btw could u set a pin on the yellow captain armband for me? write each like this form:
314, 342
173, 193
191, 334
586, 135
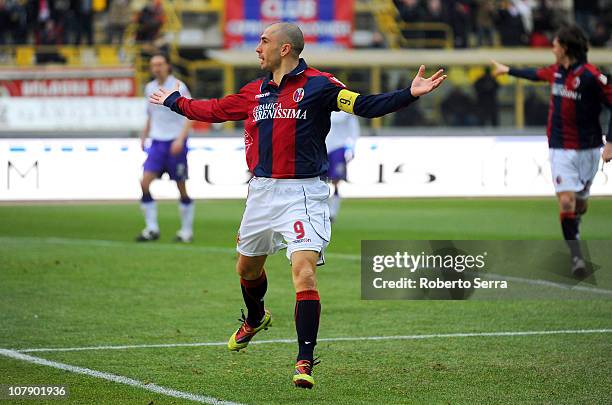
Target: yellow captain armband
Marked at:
346, 100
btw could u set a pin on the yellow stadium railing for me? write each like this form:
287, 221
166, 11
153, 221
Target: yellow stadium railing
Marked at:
199, 6
426, 28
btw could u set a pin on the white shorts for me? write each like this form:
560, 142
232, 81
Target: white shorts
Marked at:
285, 213
574, 170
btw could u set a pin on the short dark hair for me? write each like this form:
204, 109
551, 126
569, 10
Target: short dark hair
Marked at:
292, 35
163, 55
573, 39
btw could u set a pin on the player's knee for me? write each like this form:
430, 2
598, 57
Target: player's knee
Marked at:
567, 203
304, 277
247, 270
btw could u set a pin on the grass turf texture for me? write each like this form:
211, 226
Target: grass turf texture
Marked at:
69, 292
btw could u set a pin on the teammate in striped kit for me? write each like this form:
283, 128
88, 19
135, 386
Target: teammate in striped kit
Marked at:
578, 90
287, 117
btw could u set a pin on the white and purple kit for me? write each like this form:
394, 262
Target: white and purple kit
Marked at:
340, 143
166, 126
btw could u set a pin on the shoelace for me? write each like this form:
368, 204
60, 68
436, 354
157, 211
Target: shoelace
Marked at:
244, 324
309, 365
242, 317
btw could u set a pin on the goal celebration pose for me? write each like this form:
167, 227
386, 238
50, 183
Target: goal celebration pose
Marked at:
578, 90
287, 117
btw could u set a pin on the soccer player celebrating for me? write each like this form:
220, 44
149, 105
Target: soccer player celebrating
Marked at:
167, 153
287, 116
578, 89
340, 143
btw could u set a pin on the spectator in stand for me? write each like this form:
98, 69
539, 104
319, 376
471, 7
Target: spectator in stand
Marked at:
4, 23
378, 40
70, 23
459, 18
543, 17
435, 13
39, 12
410, 11
62, 13
17, 21
410, 117
485, 22
600, 36
150, 20
510, 26
486, 99
543, 27
536, 110
584, 13
84, 13
525, 10
49, 35
119, 16
539, 39
458, 109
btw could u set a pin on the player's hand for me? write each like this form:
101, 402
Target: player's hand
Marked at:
499, 68
161, 95
177, 146
349, 154
606, 155
143, 143
421, 86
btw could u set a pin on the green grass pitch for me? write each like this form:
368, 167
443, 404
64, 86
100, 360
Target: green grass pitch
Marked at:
70, 276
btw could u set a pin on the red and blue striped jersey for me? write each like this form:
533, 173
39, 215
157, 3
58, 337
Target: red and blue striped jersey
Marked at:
577, 94
286, 124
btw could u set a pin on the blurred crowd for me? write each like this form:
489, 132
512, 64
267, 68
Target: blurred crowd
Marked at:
504, 22
472, 22
74, 22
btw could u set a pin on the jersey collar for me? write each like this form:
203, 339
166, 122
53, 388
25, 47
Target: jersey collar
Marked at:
299, 69
574, 67
169, 81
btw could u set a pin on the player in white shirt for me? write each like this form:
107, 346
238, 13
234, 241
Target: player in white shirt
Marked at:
340, 143
166, 154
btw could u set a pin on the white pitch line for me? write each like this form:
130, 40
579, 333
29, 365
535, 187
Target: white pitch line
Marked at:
115, 378
340, 256
131, 245
548, 283
332, 339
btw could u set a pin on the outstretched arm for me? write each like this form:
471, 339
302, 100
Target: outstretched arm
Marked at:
377, 105
229, 108
536, 75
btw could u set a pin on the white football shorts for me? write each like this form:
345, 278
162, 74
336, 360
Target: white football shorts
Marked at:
574, 170
285, 213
